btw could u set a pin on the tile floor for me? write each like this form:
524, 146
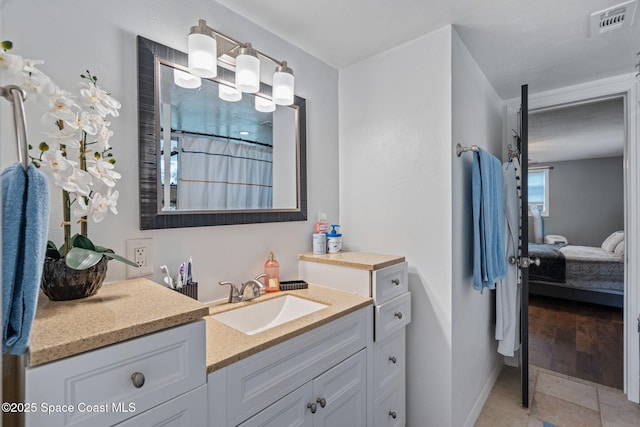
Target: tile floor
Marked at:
557, 399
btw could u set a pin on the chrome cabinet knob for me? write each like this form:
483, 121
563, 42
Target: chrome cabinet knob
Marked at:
393, 359
313, 407
396, 282
137, 378
393, 414
398, 315
322, 401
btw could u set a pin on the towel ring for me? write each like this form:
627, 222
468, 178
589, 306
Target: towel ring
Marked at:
16, 95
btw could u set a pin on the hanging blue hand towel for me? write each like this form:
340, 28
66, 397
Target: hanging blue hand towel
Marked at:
25, 221
489, 264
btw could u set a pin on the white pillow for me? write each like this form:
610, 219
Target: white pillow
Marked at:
612, 241
619, 250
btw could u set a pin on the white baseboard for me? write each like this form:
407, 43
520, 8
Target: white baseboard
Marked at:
484, 395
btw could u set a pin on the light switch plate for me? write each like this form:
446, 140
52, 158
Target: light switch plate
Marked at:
140, 251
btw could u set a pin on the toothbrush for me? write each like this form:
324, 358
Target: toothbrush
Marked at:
189, 277
167, 278
181, 276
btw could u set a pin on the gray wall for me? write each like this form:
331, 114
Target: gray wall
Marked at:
586, 200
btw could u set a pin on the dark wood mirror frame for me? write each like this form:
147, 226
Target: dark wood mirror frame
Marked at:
148, 154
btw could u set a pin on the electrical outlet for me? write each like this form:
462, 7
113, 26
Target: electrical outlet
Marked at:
140, 251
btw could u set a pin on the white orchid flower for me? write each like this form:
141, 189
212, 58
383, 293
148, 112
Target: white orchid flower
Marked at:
57, 167
78, 182
104, 134
62, 107
11, 63
100, 205
103, 171
37, 82
80, 208
99, 100
84, 122
66, 136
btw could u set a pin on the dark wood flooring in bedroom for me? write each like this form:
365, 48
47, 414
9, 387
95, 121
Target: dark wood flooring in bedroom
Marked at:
577, 339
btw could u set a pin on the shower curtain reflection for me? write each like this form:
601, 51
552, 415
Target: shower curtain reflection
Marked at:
216, 174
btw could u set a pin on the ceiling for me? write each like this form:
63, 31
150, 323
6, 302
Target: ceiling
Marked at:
584, 131
544, 43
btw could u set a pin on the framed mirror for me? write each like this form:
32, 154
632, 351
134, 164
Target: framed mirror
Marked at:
205, 160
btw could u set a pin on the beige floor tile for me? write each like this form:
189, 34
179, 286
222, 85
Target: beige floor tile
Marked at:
562, 413
621, 416
534, 422
613, 397
565, 389
548, 371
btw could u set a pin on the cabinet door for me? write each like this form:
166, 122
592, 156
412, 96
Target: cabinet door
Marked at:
290, 411
188, 410
341, 394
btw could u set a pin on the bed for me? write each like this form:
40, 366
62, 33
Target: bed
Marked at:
580, 273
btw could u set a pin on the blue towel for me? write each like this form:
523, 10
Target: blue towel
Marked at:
489, 264
25, 222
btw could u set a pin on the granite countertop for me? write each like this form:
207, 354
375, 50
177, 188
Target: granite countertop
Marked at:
361, 260
226, 345
118, 312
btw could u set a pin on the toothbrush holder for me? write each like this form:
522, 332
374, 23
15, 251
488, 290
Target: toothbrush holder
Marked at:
189, 290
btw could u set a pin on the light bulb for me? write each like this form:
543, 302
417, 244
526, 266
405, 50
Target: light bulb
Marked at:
203, 51
228, 93
186, 80
264, 105
248, 70
283, 84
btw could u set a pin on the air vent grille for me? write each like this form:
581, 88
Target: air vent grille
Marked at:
613, 19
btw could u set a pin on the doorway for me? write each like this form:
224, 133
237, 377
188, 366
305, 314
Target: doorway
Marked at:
627, 87
576, 190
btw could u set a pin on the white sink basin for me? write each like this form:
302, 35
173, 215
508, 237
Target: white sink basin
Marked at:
266, 314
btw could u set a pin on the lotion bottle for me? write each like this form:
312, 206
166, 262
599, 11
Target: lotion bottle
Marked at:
322, 226
272, 274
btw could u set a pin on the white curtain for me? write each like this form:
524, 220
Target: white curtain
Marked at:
220, 174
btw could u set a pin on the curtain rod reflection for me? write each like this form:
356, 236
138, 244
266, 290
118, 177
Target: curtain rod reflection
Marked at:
213, 135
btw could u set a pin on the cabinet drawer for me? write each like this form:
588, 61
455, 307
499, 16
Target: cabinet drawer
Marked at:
172, 362
389, 409
391, 316
188, 410
389, 362
390, 282
261, 379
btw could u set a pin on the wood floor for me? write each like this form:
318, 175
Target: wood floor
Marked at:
577, 339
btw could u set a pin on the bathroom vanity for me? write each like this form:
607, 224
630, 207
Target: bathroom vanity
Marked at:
385, 279
133, 354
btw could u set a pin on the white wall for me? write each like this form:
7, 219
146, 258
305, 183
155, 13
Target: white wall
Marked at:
396, 196
477, 119
73, 35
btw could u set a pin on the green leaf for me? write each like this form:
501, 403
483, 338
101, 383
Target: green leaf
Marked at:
52, 251
81, 258
120, 258
102, 249
80, 241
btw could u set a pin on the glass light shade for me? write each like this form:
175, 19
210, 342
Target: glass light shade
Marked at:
203, 49
265, 105
283, 83
228, 93
186, 80
248, 70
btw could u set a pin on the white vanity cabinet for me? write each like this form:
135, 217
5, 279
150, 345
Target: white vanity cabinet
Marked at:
156, 379
385, 279
316, 379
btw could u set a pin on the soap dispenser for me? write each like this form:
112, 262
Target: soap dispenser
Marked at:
334, 240
272, 274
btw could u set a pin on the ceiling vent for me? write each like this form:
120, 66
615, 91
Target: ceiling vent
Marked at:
613, 19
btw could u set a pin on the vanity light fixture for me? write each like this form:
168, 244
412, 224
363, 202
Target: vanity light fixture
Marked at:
283, 81
264, 105
228, 93
186, 80
203, 57
203, 50
248, 69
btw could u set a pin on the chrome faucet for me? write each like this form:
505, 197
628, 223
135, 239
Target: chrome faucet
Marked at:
239, 295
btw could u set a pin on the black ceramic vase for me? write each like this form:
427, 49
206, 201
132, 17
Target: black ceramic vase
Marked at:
62, 283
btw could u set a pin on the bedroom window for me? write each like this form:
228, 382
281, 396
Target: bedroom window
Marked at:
539, 190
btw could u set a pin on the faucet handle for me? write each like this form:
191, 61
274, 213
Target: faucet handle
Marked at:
234, 293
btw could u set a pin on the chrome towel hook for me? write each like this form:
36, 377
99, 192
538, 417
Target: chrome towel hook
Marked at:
16, 95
